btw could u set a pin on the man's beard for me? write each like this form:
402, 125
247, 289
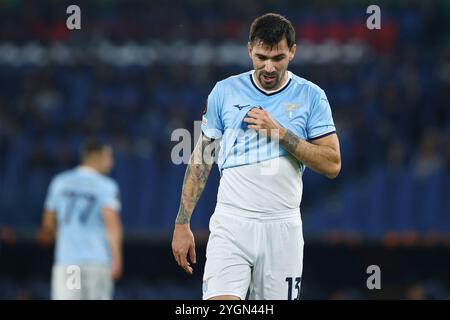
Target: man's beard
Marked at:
269, 80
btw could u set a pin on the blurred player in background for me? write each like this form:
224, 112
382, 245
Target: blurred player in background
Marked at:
82, 212
256, 239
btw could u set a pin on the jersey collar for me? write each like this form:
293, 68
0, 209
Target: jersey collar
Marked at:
269, 92
87, 169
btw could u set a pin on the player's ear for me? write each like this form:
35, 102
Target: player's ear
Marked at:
249, 49
292, 51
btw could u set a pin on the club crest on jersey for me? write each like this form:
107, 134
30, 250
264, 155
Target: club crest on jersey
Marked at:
290, 107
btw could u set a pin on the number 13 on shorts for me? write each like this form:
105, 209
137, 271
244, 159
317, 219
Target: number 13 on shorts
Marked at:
293, 287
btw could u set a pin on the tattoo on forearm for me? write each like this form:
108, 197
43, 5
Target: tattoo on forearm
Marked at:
323, 158
194, 182
290, 141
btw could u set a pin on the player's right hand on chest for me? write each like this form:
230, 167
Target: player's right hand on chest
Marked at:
183, 246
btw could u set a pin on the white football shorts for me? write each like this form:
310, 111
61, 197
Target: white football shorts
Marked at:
254, 256
81, 282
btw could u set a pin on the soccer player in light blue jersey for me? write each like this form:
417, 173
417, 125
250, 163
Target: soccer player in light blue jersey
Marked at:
270, 125
82, 212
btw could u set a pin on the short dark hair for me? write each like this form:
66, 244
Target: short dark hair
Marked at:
270, 28
93, 145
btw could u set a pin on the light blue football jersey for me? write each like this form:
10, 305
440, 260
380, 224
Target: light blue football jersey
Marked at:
78, 197
300, 106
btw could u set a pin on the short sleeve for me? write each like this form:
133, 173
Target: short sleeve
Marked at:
212, 125
320, 122
50, 200
111, 198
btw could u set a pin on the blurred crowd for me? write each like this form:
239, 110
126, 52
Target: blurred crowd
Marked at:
391, 109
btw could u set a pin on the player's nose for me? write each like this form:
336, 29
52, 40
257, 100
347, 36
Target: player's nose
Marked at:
269, 67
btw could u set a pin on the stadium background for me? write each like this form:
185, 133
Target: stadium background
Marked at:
138, 70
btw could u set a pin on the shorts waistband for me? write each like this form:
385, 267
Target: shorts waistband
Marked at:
275, 215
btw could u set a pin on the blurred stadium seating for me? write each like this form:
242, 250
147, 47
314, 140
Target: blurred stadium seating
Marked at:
138, 70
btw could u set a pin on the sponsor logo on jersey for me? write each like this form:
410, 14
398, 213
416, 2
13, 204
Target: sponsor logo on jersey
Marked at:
240, 107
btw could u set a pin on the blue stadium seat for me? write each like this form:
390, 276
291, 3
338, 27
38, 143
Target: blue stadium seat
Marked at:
376, 204
353, 215
404, 203
148, 195
431, 198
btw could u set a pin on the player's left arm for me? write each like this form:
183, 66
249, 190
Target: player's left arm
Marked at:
47, 232
110, 209
114, 231
321, 155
